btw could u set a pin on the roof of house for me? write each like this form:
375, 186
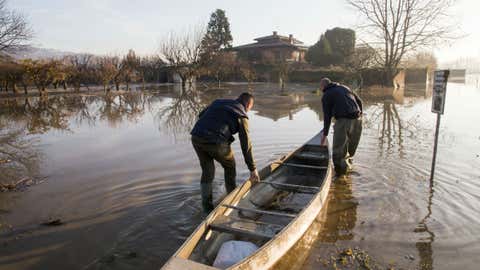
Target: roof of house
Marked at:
275, 36
274, 40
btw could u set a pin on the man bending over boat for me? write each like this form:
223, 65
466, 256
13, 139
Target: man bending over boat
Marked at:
342, 103
211, 139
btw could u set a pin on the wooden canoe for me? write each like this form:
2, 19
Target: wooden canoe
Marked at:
273, 213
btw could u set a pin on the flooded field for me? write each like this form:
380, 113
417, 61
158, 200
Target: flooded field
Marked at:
118, 176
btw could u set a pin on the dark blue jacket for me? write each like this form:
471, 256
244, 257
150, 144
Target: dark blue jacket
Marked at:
340, 102
219, 121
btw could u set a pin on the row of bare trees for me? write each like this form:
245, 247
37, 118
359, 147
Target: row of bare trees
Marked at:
80, 70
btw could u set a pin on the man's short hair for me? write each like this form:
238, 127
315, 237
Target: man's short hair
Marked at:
244, 98
325, 81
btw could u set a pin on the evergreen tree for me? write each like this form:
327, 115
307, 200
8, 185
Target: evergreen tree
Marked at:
335, 47
320, 53
218, 34
342, 42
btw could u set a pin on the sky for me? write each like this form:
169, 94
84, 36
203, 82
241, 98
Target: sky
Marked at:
114, 26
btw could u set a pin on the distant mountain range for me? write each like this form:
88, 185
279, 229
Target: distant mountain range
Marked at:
39, 53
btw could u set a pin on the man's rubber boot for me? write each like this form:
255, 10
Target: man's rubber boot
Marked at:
206, 191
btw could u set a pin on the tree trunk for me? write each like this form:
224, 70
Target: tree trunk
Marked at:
389, 75
183, 84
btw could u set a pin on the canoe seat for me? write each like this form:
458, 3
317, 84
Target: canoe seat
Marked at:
258, 211
311, 156
304, 166
292, 187
245, 227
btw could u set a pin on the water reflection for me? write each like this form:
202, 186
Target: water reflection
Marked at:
383, 115
276, 107
117, 108
19, 157
342, 212
43, 114
39, 114
174, 110
427, 237
180, 114
336, 227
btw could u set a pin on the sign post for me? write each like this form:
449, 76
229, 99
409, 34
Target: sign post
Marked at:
438, 106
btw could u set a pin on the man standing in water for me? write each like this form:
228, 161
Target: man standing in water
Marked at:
211, 139
340, 102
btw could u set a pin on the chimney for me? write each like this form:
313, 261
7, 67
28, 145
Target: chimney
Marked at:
290, 38
274, 33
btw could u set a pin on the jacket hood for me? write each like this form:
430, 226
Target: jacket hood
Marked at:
232, 105
330, 85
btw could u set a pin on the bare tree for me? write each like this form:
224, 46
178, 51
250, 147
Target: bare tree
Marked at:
247, 70
151, 68
14, 29
118, 68
11, 74
41, 72
182, 52
130, 64
363, 57
221, 66
106, 70
79, 69
420, 60
399, 27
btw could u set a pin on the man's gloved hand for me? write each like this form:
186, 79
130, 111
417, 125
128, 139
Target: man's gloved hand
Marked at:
254, 177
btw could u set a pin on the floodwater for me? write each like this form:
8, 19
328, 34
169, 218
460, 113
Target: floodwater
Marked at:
121, 176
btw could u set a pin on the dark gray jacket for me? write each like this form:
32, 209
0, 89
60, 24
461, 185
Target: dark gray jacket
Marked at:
340, 102
220, 121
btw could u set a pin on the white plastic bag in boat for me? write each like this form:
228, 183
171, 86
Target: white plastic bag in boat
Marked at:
232, 252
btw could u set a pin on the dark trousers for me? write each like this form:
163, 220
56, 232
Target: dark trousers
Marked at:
346, 136
206, 153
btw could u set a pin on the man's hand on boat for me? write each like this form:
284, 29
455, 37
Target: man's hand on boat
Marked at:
254, 177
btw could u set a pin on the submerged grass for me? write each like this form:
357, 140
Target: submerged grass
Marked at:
349, 258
